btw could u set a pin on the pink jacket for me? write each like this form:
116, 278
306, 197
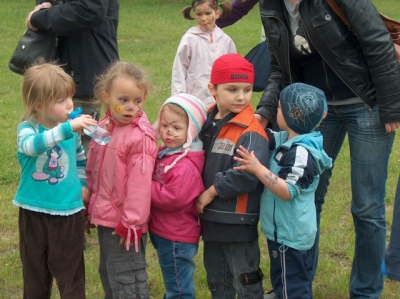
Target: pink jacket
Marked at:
119, 177
173, 196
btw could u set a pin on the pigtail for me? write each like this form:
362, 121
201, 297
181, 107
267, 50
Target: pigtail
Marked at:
226, 9
186, 13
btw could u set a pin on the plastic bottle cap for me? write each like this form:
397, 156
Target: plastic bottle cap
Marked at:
75, 113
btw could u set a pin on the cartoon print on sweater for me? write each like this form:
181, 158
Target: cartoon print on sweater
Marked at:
51, 166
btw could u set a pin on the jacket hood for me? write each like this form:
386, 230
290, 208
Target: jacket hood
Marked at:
314, 144
140, 120
216, 33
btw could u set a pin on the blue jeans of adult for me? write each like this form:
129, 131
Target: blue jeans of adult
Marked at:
370, 148
177, 266
392, 256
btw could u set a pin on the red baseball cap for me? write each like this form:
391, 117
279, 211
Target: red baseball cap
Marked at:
230, 68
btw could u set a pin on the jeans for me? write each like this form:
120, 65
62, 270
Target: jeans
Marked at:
392, 256
233, 268
177, 266
370, 148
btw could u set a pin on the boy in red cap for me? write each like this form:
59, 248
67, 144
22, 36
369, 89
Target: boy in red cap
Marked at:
229, 207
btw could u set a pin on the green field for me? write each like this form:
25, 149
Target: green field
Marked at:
149, 33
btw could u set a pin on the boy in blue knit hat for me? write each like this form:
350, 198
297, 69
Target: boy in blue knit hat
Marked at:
288, 215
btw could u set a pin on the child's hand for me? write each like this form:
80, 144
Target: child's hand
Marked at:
248, 160
82, 122
85, 195
205, 198
88, 225
122, 241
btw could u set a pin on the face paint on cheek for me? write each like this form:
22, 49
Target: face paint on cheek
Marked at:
117, 108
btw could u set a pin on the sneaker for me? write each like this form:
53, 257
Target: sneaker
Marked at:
270, 295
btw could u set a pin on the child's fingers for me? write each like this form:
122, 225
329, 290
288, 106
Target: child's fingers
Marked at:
243, 149
240, 160
239, 168
199, 207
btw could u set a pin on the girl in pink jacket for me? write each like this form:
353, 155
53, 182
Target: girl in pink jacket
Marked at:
174, 227
119, 180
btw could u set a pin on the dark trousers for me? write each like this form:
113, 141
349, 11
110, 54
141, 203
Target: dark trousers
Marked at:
392, 256
122, 272
52, 247
233, 269
291, 271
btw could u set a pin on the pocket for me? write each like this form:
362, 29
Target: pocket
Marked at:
131, 281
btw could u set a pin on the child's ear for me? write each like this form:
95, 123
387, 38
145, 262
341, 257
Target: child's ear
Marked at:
211, 89
105, 97
38, 107
323, 116
217, 14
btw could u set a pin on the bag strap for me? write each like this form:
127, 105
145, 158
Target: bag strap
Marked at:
339, 13
392, 26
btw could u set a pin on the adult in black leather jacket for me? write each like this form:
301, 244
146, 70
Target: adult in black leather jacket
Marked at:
87, 32
360, 76
367, 64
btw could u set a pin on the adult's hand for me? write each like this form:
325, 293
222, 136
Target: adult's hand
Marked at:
392, 127
263, 120
37, 7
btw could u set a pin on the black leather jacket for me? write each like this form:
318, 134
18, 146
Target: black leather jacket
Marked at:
366, 64
87, 31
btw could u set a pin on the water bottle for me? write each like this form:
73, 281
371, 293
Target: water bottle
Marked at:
99, 134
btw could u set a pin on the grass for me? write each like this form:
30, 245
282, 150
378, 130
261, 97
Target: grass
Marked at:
149, 33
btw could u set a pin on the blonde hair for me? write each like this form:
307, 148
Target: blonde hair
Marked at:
226, 8
177, 109
44, 84
115, 70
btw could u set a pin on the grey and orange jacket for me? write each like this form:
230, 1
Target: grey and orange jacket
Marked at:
239, 192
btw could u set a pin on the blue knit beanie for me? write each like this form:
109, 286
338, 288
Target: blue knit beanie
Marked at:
303, 107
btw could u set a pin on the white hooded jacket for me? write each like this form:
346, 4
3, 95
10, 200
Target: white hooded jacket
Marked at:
194, 58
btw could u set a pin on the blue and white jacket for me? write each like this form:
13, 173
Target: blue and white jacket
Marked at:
299, 161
